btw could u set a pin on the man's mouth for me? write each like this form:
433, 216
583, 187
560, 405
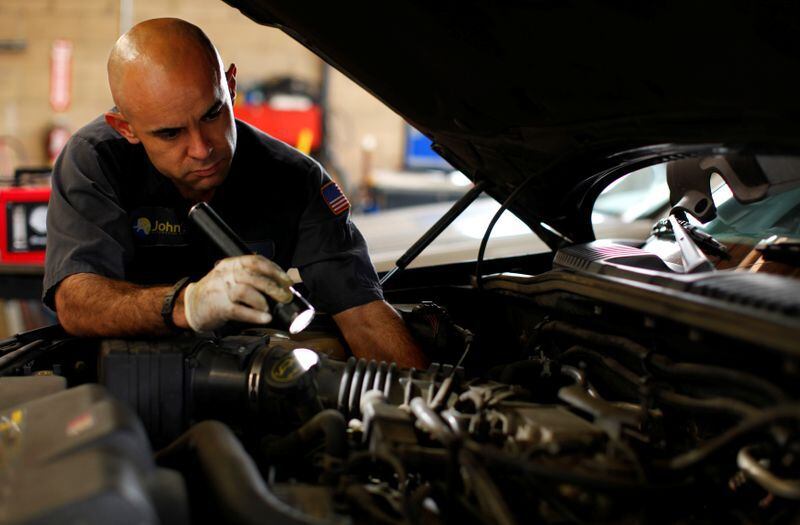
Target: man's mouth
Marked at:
205, 172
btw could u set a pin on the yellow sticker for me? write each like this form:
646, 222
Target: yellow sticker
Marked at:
286, 370
11, 422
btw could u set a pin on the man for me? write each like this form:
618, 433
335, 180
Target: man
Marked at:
117, 226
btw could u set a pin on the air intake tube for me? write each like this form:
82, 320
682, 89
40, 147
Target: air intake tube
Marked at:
283, 385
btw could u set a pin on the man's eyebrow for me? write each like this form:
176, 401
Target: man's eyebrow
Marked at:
213, 109
163, 131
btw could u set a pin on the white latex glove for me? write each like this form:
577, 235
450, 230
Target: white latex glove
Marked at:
235, 291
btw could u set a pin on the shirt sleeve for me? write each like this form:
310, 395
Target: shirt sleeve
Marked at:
331, 253
87, 228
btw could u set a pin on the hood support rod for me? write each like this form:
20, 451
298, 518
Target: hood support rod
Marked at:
434, 231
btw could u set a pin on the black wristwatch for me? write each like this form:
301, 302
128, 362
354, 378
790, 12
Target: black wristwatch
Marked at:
169, 304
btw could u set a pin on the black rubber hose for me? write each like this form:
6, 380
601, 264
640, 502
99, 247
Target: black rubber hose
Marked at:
360, 376
719, 374
493, 457
490, 499
331, 425
19, 355
623, 380
518, 372
664, 366
710, 405
28, 352
328, 426
45, 333
756, 422
359, 460
210, 452
591, 336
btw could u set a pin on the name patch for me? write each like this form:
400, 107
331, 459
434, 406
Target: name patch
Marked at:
154, 225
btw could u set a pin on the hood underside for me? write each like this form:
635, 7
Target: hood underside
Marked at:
566, 93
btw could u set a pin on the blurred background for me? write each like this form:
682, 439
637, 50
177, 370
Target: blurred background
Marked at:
66, 42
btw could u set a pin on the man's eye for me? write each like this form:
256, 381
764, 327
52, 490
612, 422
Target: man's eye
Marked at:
213, 115
168, 134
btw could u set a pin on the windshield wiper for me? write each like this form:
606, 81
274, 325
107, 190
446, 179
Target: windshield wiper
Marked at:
694, 260
708, 244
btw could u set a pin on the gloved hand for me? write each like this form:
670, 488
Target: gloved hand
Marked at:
235, 291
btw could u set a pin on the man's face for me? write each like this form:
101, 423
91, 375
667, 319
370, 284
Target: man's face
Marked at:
185, 123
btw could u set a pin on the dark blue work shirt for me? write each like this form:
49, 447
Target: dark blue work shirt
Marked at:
113, 214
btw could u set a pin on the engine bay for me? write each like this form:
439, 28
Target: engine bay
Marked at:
545, 405
611, 381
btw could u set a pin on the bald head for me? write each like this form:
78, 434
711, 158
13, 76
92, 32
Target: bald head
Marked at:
175, 100
157, 50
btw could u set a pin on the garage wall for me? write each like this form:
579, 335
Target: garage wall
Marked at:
92, 26
25, 112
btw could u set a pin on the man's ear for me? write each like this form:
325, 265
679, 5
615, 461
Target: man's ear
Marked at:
122, 126
230, 76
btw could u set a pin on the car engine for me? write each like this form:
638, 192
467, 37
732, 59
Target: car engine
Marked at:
610, 382
549, 405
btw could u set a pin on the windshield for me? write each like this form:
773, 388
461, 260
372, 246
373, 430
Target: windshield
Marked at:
760, 236
775, 215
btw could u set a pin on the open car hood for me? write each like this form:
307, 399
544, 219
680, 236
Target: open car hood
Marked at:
565, 93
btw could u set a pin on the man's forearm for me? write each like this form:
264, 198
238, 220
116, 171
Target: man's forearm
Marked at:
376, 331
90, 305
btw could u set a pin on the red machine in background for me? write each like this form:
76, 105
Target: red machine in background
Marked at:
301, 128
286, 108
23, 217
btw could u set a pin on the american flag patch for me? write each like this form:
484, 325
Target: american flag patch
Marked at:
334, 198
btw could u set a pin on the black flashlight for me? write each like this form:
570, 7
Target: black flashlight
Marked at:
297, 314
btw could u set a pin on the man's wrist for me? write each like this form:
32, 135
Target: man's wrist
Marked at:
170, 305
179, 312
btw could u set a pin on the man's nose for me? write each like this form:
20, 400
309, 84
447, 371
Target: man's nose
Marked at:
199, 146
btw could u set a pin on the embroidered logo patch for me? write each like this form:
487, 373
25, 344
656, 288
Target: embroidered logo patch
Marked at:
142, 227
154, 225
334, 198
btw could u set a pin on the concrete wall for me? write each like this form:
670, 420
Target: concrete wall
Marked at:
93, 26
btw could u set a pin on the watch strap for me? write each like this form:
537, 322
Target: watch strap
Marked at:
168, 305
